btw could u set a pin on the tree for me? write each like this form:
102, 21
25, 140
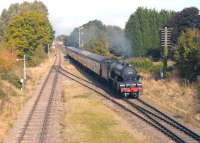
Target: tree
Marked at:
97, 46
26, 32
142, 29
188, 54
187, 18
17, 9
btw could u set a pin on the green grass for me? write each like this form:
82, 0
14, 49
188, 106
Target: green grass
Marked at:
100, 129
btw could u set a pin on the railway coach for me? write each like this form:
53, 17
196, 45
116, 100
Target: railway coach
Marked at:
121, 76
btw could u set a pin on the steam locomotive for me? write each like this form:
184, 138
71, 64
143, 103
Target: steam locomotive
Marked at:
121, 76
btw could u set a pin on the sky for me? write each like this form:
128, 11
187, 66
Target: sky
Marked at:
65, 15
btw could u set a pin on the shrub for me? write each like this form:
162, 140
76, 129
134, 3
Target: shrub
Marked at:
11, 78
2, 94
38, 57
146, 65
7, 60
143, 64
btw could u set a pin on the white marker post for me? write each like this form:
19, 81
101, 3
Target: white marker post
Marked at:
23, 80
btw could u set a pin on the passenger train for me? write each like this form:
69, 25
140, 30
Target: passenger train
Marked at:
121, 76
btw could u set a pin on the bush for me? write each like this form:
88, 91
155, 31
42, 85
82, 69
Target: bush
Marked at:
2, 94
7, 60
146, 65
38, 57
143, 64
11, 78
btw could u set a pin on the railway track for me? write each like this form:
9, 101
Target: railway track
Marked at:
142, 110
173, 129
34, 125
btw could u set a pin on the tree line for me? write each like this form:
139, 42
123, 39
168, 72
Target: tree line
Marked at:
143, 30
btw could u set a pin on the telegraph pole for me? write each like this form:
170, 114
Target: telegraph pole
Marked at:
165, 41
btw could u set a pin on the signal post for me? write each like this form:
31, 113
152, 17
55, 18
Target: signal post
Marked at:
165, 41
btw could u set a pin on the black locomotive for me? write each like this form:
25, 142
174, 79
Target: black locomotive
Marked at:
121, 76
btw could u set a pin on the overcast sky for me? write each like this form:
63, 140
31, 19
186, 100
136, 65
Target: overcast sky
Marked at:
68, 14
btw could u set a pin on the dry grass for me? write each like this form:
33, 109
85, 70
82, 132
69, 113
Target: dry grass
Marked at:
173, 96
14, 100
